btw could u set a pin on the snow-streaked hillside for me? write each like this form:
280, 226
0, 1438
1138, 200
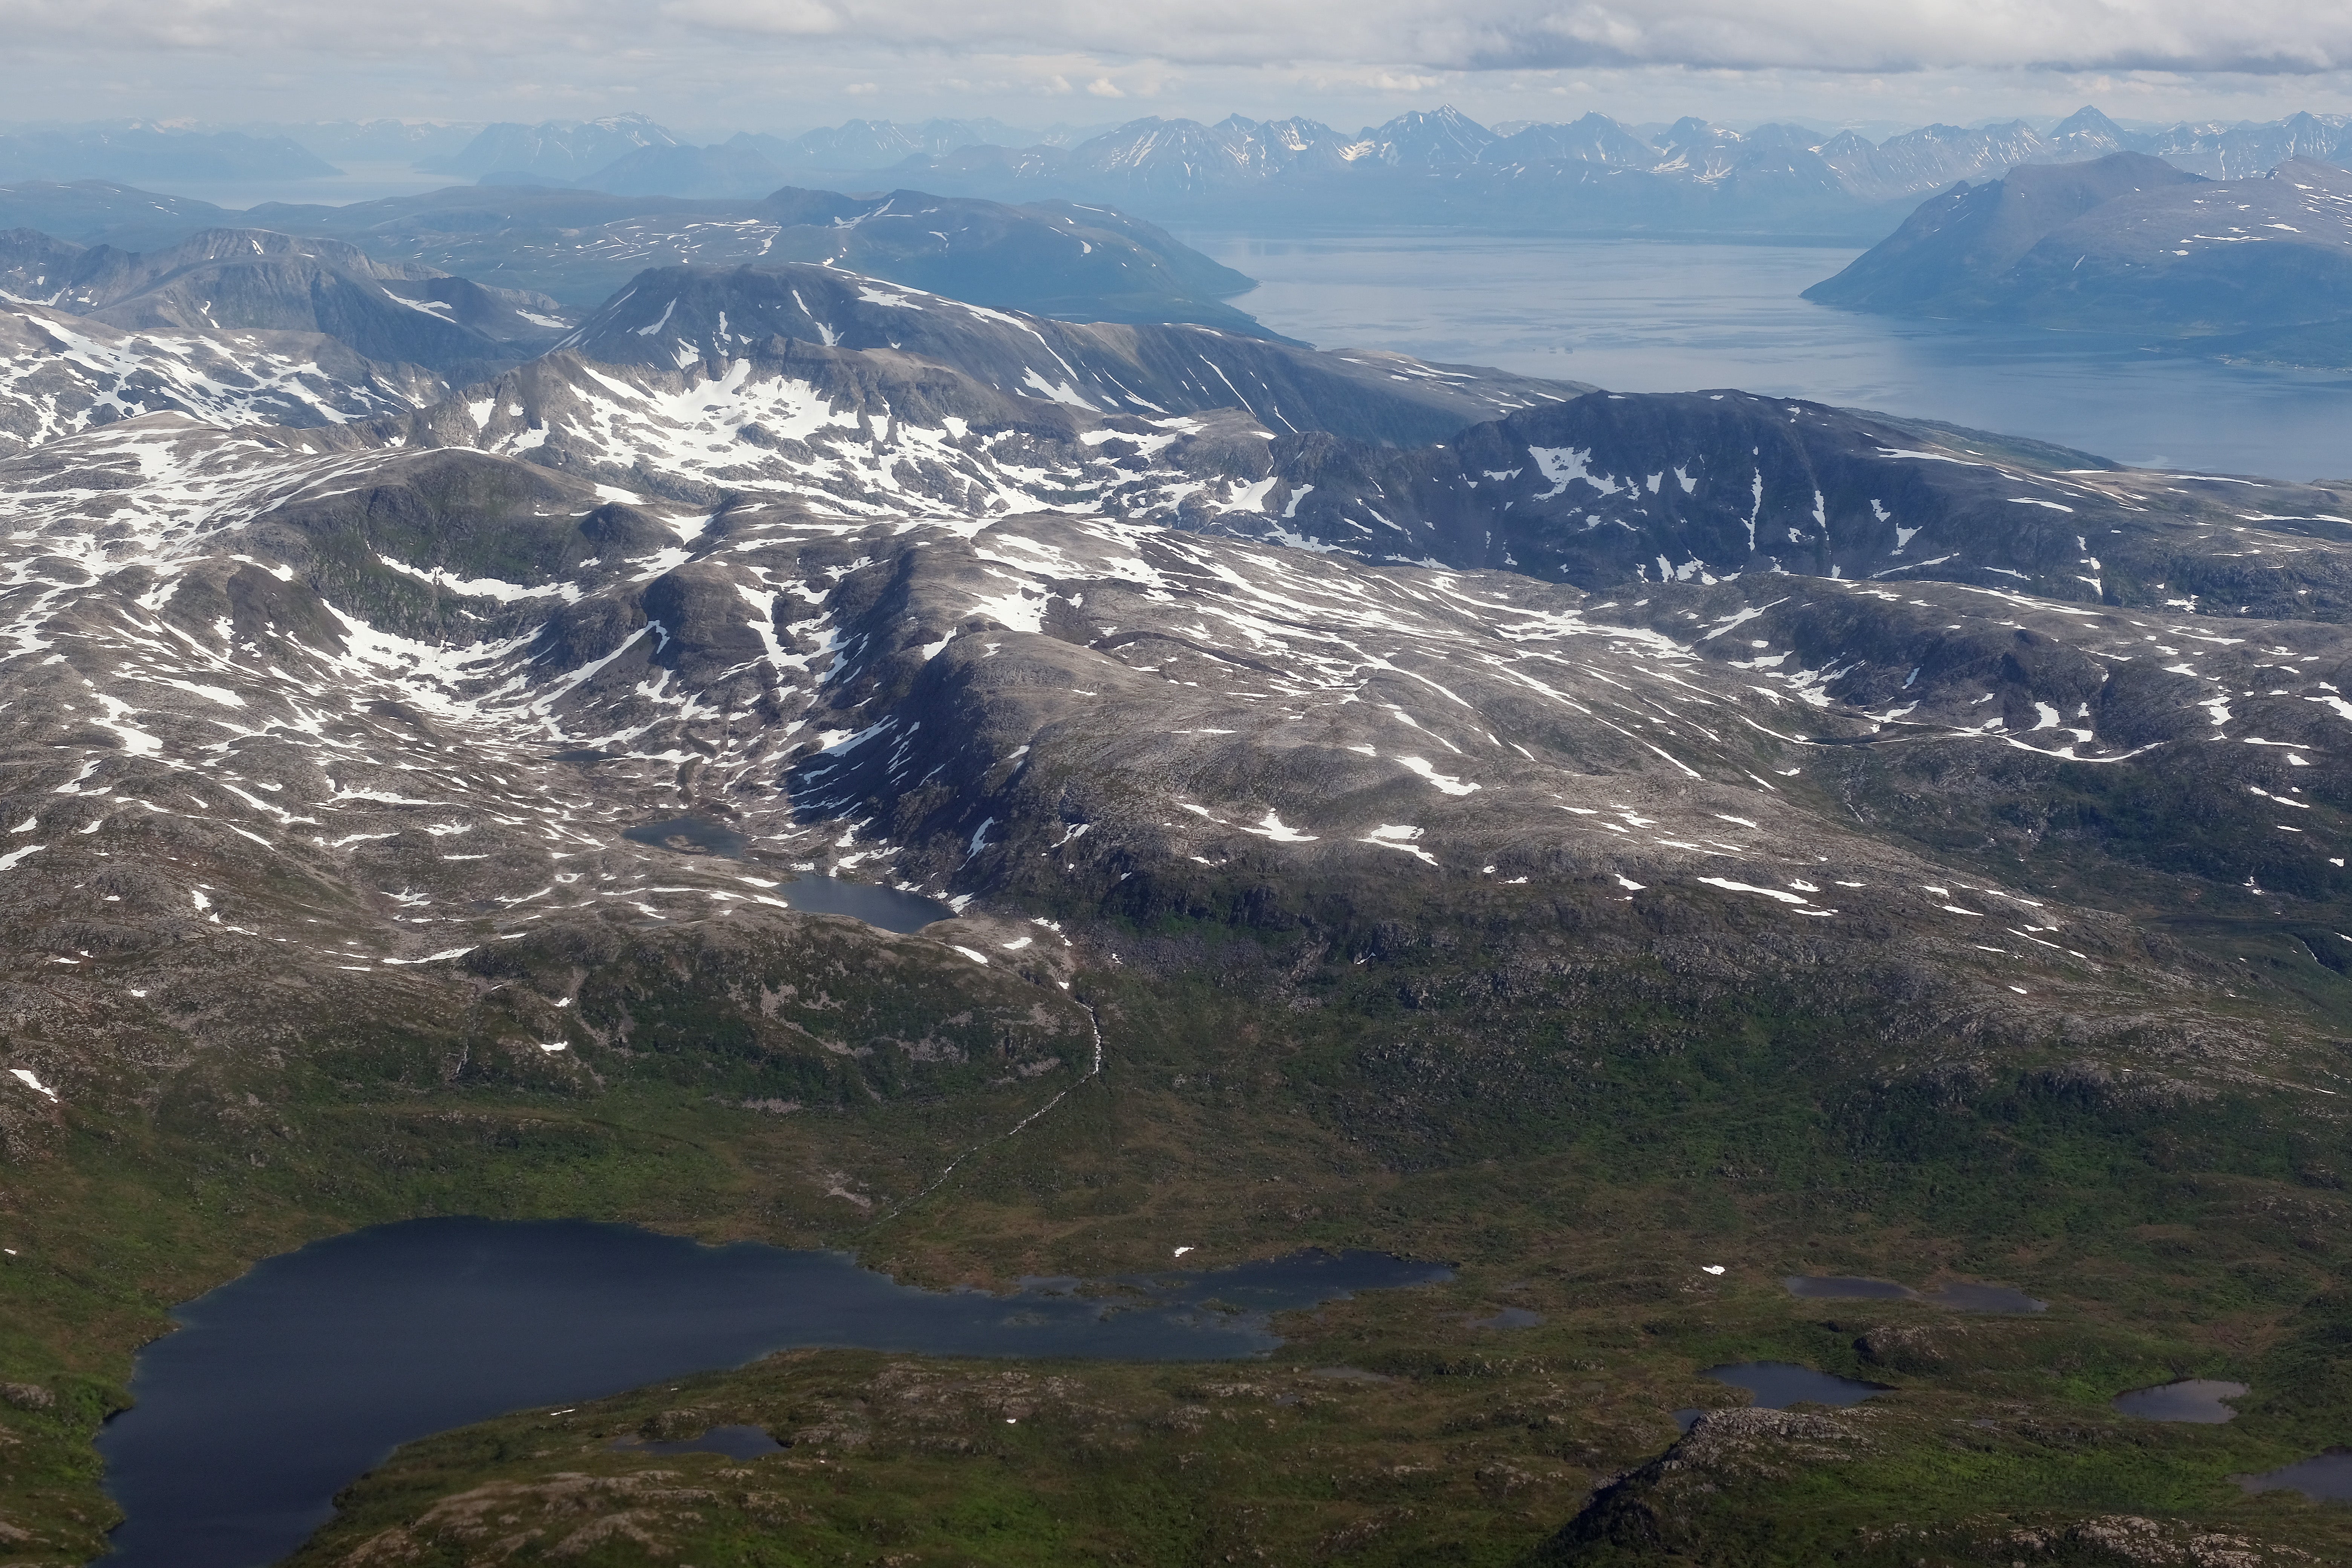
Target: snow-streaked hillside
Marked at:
61, 374
356, 697
678, 316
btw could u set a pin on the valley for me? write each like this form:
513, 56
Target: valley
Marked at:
1630, 847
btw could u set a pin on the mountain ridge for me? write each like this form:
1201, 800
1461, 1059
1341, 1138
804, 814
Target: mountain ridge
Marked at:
224, 278
1638, 846
579, 247
2126, 244
1595, 171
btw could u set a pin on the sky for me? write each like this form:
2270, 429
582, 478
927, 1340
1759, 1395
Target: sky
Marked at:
710, 66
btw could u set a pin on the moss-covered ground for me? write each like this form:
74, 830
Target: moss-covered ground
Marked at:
1578, 1148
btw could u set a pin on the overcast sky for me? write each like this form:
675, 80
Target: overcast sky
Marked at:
712, 65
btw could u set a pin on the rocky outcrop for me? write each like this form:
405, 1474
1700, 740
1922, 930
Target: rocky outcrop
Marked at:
1664, 1509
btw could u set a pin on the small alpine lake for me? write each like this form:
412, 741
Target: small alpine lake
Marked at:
890, 908
2195, 1399
1777, 1385
2322, 1477
287, 1382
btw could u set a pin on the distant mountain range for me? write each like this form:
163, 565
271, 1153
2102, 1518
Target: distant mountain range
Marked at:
2257, 268
1914, 159
133, 151
378, 141
577, 248
1592, 175
557, 150
1593, 172
1424, 166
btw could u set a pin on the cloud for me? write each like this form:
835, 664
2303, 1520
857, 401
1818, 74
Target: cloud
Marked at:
715, 66
2258, 35
1863, 36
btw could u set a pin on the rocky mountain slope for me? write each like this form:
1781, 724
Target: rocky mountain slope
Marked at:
882, 614
61, 374
2128, 244
255, 279
1608, 488
1961, 240
678, 316
1378, 803
101, 211
2248, 148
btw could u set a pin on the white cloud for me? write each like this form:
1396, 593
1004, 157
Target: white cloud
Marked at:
737, 63
1871, 36
2263, 35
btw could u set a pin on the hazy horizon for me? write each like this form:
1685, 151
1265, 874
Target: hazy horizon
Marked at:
1069, 129
699, 66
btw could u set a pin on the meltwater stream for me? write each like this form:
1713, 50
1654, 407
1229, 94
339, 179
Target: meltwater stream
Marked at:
285, 1385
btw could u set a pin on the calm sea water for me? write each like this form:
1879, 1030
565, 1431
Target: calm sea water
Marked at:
281, 1386
1651, 316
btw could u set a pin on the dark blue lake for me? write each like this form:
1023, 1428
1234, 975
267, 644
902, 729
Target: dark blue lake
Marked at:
285, 1385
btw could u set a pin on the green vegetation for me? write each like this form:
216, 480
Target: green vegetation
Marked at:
1388, 1430
1578, 1135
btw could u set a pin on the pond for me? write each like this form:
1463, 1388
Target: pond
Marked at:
1509, 1318
887, 908
2195, 1399
2322, 1477
283, 1385
1983, 1299
1777, 1385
